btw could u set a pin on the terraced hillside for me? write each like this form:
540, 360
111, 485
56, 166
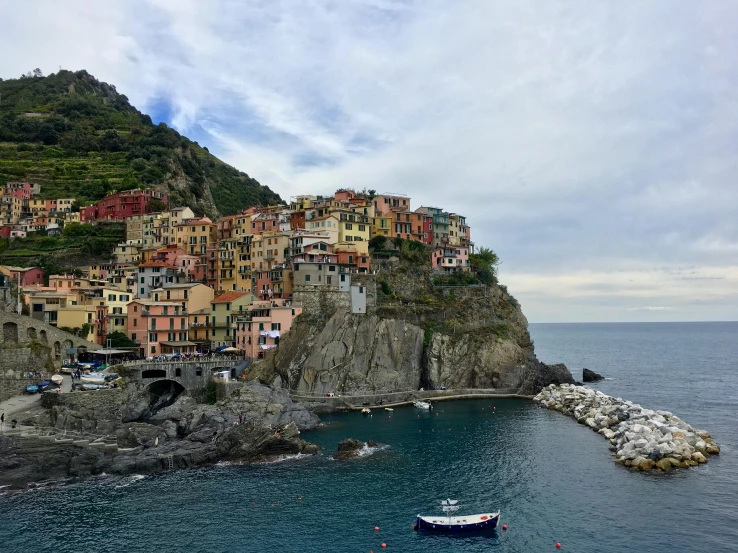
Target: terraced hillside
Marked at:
77, 137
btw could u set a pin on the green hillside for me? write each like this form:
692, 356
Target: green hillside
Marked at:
77, 137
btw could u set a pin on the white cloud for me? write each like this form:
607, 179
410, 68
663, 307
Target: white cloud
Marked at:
581, 140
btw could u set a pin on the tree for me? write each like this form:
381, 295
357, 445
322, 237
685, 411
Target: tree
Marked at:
118, 339
47, 134
484, 262
37, 73
157, 205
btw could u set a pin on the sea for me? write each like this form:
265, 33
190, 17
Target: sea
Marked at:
553, 480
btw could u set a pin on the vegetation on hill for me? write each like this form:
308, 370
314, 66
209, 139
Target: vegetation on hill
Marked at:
77, 137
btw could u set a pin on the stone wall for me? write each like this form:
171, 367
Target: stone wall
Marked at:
30, 350
325, 300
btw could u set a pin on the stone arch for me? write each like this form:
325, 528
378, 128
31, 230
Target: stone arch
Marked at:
57, 348
31, 333
10, 333
44, 337
154, 373
67, 344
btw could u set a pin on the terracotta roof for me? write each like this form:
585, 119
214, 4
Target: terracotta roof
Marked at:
229, 297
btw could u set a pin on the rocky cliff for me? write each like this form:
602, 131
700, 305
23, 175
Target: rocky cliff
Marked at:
419, 334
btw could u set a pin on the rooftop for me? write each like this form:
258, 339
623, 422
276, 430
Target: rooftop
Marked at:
229, 297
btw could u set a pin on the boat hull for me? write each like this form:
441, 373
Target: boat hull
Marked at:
32, 389
471, 523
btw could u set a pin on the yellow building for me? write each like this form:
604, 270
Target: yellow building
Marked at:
37, 206
223, 310
192, 296
195, 236
352, 227
227, 265
117, 303
127, 252
200, 327
381, 226
71, 217
11, 209
327, 224
243, 262
269, 249
76, 316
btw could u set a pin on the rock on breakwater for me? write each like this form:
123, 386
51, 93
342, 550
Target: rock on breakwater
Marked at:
642, 438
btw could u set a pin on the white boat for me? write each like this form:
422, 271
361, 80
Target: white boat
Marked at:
388, 409
426, 405
66, 369
365, 411
57, 379
92, 378
455, 523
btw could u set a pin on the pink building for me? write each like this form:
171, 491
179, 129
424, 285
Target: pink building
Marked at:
451, 259
118, 206
20, 190
29, 276
345, 194
176, 257
159, 327
265, 324
387, 202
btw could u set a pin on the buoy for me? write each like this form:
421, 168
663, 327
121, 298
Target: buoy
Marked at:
494, 408
384, 545
376, 528
558, 545
432, 430
504, 526
436, 414
299, 499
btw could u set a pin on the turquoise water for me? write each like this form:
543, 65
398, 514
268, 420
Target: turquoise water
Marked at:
553, 480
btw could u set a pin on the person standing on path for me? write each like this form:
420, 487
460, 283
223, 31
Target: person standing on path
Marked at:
240, 418
2, 421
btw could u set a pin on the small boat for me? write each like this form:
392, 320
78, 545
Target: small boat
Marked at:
31, 388
92, 378
67, 369
365, 411
94, 386
426, 405
57, 379
43, 385
388, 409
454, 523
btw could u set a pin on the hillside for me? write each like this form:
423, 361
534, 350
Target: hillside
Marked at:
78, 137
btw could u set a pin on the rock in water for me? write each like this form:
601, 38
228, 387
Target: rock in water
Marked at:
591, 376
642, 438
350, 448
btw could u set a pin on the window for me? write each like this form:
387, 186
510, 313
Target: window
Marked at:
261, 326
307, 278
361, 289
349, 226
362, 228
276, 326
153, 337
135, 308
111, 297
178, 372
135, 322
166, 310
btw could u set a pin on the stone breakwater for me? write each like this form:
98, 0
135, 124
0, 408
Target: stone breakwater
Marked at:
641, 438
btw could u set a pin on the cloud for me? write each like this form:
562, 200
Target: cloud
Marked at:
579, 139
650, 308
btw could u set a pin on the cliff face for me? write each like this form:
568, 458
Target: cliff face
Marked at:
417, 335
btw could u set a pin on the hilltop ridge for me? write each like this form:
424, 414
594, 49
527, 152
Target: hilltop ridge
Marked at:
79, 137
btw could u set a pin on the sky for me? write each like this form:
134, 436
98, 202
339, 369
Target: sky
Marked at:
592, 145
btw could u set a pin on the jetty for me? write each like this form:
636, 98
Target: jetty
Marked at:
641, 438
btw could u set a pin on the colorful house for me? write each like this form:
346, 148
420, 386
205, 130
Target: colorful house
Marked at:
223, 309
159, 327
263, 325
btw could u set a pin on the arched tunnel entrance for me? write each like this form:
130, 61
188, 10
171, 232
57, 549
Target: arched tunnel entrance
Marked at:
162, 393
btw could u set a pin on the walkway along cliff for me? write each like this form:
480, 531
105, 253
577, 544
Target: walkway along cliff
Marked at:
417, 332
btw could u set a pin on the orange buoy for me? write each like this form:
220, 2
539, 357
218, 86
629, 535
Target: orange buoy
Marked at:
384, 545
299, 499
436, 414
504, 526
494, 408
558, 545
376, 528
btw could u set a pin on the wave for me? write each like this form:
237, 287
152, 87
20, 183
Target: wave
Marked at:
366, 450
130, 480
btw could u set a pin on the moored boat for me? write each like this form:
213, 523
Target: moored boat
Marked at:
365, 411
43, 385
425, 405
454, 523
31, 388
92, 378
57, 379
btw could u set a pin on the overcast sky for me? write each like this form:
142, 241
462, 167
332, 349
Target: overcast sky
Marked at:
591, 144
